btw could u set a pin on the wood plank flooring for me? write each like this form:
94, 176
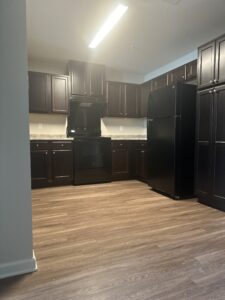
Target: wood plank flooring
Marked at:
121, 241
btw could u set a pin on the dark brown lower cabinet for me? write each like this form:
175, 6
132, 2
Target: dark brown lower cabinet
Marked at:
141, 160
129, 160
40, 168
120, 160
51, 163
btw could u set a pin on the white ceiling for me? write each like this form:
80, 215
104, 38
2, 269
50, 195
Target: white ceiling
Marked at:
151, 34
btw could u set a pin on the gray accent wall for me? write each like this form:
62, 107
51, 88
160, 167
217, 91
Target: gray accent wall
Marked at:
16, 253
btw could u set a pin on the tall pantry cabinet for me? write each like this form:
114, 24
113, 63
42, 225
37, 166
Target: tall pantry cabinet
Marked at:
210, 131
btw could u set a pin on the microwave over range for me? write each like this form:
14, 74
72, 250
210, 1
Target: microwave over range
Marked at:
84, 117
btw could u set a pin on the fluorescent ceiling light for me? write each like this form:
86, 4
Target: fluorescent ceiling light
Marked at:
108, 25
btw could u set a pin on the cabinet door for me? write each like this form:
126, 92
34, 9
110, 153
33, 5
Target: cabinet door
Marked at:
120, 164
132, 99
145, 91
220, 61
78, 78
204, 143
96, 75
60, 94
206, 62
219, 145
40, 168
120, 160
141, 164
159, 82
62, 166
39, 92
191, 70
177, 75
114, 98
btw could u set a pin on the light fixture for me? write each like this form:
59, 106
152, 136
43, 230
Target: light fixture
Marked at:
108, 25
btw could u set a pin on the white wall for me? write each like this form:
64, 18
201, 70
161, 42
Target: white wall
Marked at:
172, 65
16, 254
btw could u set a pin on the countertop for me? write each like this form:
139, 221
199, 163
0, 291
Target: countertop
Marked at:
63, 137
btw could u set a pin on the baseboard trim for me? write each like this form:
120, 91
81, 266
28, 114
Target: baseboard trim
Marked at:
18, 267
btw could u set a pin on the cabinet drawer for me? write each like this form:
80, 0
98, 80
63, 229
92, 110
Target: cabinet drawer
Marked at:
62, 145
120, 144
141, 144
39, 145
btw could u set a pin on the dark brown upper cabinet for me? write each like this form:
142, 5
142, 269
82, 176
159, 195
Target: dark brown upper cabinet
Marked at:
211, 63
60, 93
114, 99
220, 60
87, 79
176, 75
39, 92
191, 70
78, 73
96, 75
123, 99
159, 82
206, 62
132, 100
145, 91
48, 93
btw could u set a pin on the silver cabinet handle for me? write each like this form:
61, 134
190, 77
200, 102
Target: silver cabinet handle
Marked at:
214, 91
210, 92
53, 152
46, 153
215, 81
211, 81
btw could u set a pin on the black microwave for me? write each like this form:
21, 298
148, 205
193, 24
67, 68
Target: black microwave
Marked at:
84, 117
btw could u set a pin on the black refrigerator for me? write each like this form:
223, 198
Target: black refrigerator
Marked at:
171, 140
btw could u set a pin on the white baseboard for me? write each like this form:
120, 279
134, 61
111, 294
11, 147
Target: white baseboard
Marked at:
18, 267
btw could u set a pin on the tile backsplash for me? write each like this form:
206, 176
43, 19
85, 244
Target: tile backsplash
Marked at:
55, 125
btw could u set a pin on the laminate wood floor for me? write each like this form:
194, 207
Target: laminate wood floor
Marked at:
121, 241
